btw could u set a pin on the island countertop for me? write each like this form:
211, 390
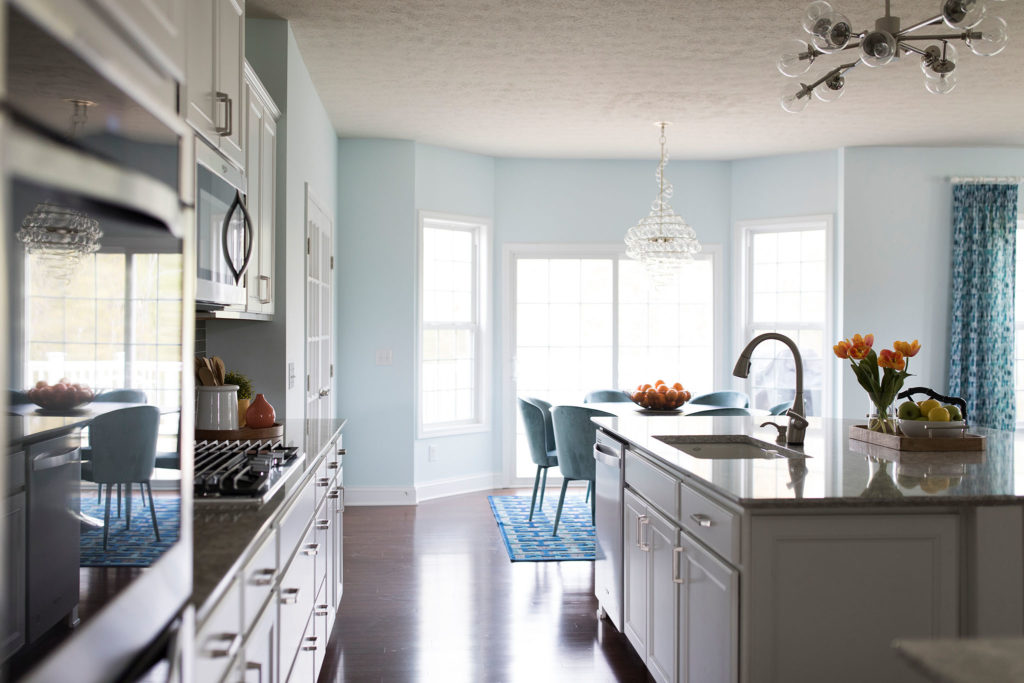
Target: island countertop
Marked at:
837, 470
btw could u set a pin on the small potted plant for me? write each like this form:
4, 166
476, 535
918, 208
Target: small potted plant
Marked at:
244, 393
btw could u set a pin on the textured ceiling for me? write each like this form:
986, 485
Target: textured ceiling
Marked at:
586, 78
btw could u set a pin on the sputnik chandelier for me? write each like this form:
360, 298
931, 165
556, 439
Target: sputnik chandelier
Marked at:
831, 32
662, 240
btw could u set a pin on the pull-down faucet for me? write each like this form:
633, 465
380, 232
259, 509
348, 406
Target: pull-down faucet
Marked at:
796, 414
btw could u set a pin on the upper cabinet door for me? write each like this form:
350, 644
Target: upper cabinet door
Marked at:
228, 52
200, 101
158, 27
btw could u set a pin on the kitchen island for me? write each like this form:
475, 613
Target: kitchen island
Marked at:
806, 568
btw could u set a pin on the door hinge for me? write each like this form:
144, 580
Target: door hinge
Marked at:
307, 383
332, 369
332, 263
309, 246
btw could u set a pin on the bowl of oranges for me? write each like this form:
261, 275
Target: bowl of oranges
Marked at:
659, 397
62, 397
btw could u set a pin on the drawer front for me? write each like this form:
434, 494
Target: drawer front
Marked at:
709, 522
324, 525
258, 577
323, 622
220, 637
293, 523
653, 483
296, 598
303, 668
322, 481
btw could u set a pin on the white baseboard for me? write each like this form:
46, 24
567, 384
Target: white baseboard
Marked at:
379, 495
456, 486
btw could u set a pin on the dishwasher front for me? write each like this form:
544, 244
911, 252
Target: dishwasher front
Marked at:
608, 452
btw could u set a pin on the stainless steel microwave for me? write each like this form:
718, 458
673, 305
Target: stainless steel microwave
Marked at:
224, 234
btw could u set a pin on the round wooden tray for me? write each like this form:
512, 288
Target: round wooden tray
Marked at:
243, 434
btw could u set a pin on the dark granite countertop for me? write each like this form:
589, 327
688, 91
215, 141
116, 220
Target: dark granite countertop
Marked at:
838, 471
27, 423
968, 660
222, 533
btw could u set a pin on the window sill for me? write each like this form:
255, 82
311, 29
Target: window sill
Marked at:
455, 430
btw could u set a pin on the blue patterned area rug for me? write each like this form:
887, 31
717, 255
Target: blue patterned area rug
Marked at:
136, 547
528, 541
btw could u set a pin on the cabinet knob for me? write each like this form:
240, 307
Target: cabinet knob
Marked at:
333, 494
333, 465
341, 451
289, 596
323, 524
701, 520
311, 549
263, 577
233, 640
322, 610
309, 644
323, 482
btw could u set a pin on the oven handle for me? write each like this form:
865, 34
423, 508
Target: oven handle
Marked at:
603, 455
49, 461
239, 203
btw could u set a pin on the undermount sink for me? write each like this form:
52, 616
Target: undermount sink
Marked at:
728, 447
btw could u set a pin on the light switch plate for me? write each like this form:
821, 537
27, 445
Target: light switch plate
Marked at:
384, 356
291, 375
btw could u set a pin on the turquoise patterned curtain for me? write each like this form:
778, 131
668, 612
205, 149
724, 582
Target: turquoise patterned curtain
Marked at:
981, 349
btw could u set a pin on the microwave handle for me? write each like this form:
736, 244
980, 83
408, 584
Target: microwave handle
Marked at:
239, 203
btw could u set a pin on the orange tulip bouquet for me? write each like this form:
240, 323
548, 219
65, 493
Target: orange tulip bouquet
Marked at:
865, 363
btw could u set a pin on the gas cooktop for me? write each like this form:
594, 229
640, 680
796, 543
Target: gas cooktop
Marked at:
242, 471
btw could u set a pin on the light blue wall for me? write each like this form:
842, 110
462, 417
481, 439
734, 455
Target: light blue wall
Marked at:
898, 249
449, 181
306, 153
376, 308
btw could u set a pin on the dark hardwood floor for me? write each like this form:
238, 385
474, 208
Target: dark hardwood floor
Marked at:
430, 595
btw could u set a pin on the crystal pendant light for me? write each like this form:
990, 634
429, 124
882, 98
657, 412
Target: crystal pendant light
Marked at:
59, 237
662, 240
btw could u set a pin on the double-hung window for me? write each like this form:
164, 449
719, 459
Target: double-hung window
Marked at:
452, 316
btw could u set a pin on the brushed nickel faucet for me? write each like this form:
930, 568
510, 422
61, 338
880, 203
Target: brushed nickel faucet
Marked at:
796, 413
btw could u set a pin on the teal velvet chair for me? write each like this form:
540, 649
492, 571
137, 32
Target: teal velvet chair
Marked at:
712, 412
722, 399
111, 396
536, 439
606, 396
780, 408
124, 452
575, 435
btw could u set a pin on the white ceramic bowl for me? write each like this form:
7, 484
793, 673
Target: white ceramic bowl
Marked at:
927, 428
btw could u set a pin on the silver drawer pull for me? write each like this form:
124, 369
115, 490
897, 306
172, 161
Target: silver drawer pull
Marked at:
644, 521
322, 610
311, 549
333, 465
341, 451
676, 554
323, 524
702, 520
257, 667
262, 279
310, 645
323, 482
333, 494
289, 596
263, 577
233, 640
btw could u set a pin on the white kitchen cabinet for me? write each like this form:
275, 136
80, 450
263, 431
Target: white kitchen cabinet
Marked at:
157, 27
216, 44
634, 576
259, 663
261, 169
708, 614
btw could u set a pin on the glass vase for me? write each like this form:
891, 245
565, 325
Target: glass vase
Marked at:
881, 418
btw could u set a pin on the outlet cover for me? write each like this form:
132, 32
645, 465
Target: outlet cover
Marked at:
291, 375
431, 453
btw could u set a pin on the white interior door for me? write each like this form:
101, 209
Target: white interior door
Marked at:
319, 302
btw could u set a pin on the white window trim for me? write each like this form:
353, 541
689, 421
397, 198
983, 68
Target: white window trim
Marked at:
742, 294
510, 252
482, 303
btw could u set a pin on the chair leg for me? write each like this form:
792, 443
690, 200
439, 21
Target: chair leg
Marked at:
152, 510
118, 500
99, 493
128, 507
543, 485
593, 507
106, 516
561, 499
590, 485
536, 483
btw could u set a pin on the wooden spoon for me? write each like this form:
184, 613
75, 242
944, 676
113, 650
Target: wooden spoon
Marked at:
218, 370
206, 377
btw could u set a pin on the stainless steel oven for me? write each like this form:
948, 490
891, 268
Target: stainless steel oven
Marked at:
224, 234
98, 246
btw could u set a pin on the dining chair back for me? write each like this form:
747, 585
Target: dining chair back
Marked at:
780, 408
575, 435
606, 396
712, 412
722, 399
121, 396
542, 456
17, 398
549, 429
123, 444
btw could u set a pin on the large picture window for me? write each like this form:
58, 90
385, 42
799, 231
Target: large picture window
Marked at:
786, 289
586, 318
452, 352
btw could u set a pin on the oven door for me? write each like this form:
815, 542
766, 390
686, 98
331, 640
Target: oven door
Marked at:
224, 234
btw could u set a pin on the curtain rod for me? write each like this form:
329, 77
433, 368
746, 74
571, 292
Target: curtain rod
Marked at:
1010, 180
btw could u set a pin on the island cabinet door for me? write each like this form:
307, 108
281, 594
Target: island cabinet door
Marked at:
663, 600
634, 579
829, 593
708, 615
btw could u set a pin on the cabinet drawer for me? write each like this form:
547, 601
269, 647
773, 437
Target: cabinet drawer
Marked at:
258, 577
653, 483
296, 597
709, 522
220, 637
303, 669
293, 522
322, 481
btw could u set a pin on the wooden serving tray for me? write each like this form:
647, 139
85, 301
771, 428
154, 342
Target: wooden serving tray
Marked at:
968, 442
243, 434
